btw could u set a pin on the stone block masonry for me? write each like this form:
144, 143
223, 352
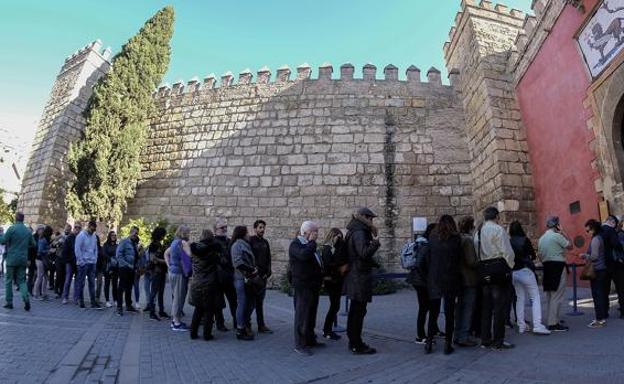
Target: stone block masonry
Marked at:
480, 45
306, 149
42, 198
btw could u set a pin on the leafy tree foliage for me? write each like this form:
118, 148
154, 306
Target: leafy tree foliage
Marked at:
7, 211
105, 162
145, 230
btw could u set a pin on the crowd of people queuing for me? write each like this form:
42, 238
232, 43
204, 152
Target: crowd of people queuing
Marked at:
479, 275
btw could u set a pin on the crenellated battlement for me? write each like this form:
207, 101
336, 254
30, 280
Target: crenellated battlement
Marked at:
482, 9
95, 47
534, 31
303, 73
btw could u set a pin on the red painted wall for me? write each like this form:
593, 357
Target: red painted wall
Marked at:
551, 97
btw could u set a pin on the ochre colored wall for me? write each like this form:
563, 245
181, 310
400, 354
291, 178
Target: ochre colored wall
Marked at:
551, 97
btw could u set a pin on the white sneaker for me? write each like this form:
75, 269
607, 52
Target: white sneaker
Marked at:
597, 324
521, 330
108, 304
64, 301
541, 330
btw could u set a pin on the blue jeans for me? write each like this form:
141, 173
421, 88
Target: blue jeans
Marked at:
600, 288
246, 303
137, 287
69, 273
88, 271
147, 284
463, 313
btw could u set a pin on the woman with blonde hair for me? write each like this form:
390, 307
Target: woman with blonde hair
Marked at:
179, 273
334, 262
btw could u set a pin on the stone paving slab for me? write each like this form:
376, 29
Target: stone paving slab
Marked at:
66, 344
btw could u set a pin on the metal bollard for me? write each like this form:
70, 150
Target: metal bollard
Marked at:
575, 311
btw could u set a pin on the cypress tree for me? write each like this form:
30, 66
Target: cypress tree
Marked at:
105, 162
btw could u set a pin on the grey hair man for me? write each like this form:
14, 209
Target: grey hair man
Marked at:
306, 269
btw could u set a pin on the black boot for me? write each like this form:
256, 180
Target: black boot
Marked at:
429, 346
448, 347
194, 330
241, 334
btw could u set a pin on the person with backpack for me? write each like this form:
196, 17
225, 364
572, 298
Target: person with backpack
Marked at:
524, 280
600, 284
361, 245
469, 285
335, 263
496, 258
414, 260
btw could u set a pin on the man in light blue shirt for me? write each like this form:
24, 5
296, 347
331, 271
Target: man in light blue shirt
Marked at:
86, 249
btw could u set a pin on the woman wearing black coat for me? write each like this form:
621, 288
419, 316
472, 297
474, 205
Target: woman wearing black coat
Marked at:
443, 270
205, 283
334, 262
111, 276
417, 279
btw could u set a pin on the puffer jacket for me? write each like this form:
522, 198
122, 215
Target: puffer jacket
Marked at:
361, 248
205, 282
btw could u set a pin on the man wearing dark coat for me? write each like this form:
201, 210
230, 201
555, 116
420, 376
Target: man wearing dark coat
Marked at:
361, 244
306, 268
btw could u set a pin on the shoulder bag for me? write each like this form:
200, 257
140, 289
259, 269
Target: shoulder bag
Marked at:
492, 271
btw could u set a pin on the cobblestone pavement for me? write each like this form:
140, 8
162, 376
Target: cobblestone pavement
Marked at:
57, 343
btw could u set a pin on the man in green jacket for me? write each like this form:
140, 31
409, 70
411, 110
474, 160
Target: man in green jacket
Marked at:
17, 239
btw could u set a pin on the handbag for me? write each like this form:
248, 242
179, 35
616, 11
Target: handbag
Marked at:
588, 272
256, 283
492, 271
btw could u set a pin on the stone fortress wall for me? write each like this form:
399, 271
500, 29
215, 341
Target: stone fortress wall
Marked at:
291, 150
288, 150
42, 198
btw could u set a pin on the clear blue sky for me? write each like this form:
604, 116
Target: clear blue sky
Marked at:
217, 36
